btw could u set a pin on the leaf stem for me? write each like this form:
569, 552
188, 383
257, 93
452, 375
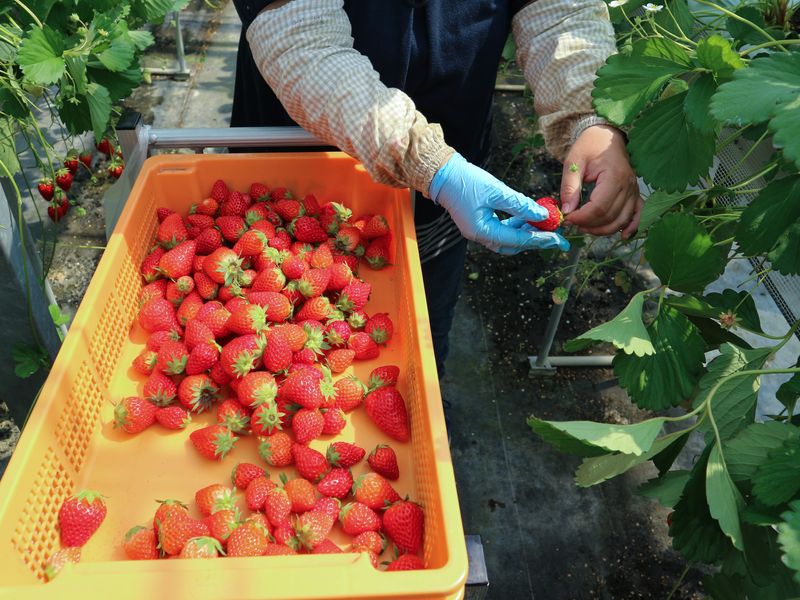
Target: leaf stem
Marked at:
739, 18
768, 45
29, 11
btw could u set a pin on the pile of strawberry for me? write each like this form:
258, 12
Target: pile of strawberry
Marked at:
253, 306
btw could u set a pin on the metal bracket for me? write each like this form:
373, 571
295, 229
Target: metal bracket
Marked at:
182, 72
477, 576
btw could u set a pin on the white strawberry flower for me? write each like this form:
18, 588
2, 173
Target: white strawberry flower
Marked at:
616, 3
650, 7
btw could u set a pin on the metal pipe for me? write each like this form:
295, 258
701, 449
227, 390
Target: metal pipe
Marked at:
234, 137
179, 44
600, 360
558, 309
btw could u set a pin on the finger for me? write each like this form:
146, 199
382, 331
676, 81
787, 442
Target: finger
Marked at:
539, 240
634, 224
597, 211
516, 222
518, 204
623, 207
571, 181
493, 234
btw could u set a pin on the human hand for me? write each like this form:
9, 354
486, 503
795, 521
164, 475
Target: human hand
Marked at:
599, 155
471, 195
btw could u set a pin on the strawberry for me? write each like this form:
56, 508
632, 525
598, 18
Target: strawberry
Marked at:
347, 239
250, 318
334, 421
208, 207
310, 204
171, 231
159, 389
284, 533
307, 425
202, 358
64, 179
404, 522
212, 498
357, 518
134, 414
153, 289
344, 454
327, 546
157, 338
336, 483
58, 208
213, 442
205, 287
189, 308
251, 243
376, 226
349, 393
281, 240
173, 417
382, 376
357, 319
257, 388
327, 505
141, 543
340, 276
249, 539
80, 516
304, 388
269, 280
215, 316
374, 491
46, 189
201, 547
315, 309
377, 253
149, 267
340, 359
259, 192
278, 353
337, 333
235, 206
278, 550
554, 216
277, 307
380, 328
313, 282
71, 163
86, 158
241, 355
221, 523
104, 146
312, 529
276, 449
287, 208
383, 461
244, 473
60, 559
220, 191
387, 409
145, 361
174, 529
208, 240
310, 463
256, 492
354, 296
321, 257
368, 541
223, 266
197, 392
231, 227
307, 229
197, 333
234, 416
293, 267
363, 345
277, 506
171, 358
406, 562
162, 212
301, 492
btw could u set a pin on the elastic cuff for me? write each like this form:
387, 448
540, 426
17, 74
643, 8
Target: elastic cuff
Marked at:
582, 124
429, 153
440, 177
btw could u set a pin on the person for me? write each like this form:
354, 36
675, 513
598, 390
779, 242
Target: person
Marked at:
406, 87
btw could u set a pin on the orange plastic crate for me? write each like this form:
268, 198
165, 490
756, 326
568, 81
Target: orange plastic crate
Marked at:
69, 443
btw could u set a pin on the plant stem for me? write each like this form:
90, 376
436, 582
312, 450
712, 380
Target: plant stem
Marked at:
739, 18
679, 582
752, 178
768, 45
28, 10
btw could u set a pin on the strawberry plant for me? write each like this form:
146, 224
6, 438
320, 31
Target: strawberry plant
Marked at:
684, 86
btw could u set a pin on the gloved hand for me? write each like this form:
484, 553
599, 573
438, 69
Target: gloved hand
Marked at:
471, 195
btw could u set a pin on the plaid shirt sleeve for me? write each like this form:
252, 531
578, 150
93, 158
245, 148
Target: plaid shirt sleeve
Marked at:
305, 52
560, 46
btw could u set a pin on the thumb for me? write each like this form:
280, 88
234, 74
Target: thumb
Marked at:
571, 181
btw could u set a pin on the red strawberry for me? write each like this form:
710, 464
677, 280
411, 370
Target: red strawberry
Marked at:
277, 506
406, 562
58, 208
382, 376
313, 282
269, 280
357, 319
404, 522
278, 353
322, 258
205, 287
201, 359
304, 388
377, 253
173, 417
208, 240
554, 216
340, 359
231, 227
267, 418
310, 463
334, 421
374, 491
134, 414
189, 308
171, 358
80, 516
213, 442
276, 449
249, 318
257, 491
380, 328
312, 529
347, 239
197, 392
259, 192
159, 389
383, 461
276, 306
354, 296
46, 188
235, 205
197, 333
341, 275
149, 265
71, 163
145, 361
220, 191
344, 454
315, 309
86, 159
221, 523
141, 543
157, 338
375, 227
244, 473
301, 492
307, 229
337, 333
257, 388
349, 393
171, 231
212, 498
215, 316
307, 425
158, 314
310, 204
64, 179
281, 240
249, 539
223, 266
174, 529
363, 345
336, 483
153, 289
234, 416
201, 547
241, 355
162, 212
387, 409
209, 207
330, 506
368, 541
327, 546
357, 518
104, 146
115, 168
287, 208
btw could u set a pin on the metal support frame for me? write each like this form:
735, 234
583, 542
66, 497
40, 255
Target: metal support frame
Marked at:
182, 72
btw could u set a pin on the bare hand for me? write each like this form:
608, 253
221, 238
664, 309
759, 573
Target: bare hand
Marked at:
599, 155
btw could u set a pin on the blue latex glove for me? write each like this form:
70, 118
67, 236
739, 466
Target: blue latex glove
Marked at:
471, 195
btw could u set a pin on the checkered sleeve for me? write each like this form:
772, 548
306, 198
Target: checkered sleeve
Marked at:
304, 50
560, 46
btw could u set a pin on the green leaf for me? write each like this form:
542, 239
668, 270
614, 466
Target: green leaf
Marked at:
28, 359
55, 314
742, 31
676, 18
786, 130
697, 104
629, 439
99, 102
715, 304
117, 56
785, 255
667, 489
40, 55
789, 391
695, 533
656, 205
714, 334
625, 84
715, 53
663, 130
667, 377
664, 459
626, 331
563, 441
682, 254
76, 67
11, 104
509, 49
150, 11
119, 85
789, 538
662, 47
748, 449
735, 399
8, 150
778, 479
724, 500
776, 208
142, 39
